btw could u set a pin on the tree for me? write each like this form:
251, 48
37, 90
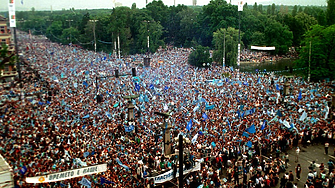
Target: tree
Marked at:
54, 31
330, 12
187, 26
231, 42
200, 56
322, 42
322, 18
255, 7
278, 35
273, 9
133, 6
5, 57
295, 10
155, 31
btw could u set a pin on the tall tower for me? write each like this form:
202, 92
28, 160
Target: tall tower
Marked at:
194, 2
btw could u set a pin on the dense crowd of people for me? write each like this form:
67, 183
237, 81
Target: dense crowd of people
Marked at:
233, 122
264, 56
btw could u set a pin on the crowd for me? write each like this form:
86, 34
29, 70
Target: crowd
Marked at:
263, 56
233, 122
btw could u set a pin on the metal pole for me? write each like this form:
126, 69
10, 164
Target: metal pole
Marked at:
18, 62
118, 45
224, 49
309, 61
239, 38
96, 87
95, 41
181, 161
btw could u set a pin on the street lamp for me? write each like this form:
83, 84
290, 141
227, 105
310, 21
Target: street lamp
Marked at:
166, 133
95, 41
131, 108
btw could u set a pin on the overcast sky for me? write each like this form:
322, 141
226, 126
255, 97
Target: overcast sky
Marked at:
96, 4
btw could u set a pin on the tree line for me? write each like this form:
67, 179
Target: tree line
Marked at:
183, 26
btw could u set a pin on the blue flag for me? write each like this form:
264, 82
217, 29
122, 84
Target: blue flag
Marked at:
87, 116
249, 144
263, 125
151, 86
277, 87
85, 84
252, 129
204, 116
23, 170
189, 125
210, 107
279, 113
137, 87
104, 181
166, 88
245, 134
146, 99
299, 97
213, 144
201, 133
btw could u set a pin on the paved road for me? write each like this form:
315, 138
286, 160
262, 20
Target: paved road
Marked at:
307, 155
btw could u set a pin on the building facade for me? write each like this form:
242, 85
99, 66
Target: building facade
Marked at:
8, 69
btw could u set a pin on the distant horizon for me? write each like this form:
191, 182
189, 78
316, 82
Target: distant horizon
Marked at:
45, 5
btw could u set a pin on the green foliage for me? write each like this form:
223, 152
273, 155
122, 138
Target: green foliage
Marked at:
231, 43
200, 57
180, 25
322, 42
278, 35
5, 57
330, 12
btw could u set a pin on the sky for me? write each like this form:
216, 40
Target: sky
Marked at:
22, 5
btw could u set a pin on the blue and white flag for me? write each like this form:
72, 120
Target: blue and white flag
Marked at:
137, 87
85, 182
129, 128
194, 139
204, 116
263, 125
303, 116
120, 163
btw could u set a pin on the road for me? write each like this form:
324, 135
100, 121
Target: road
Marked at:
307, 155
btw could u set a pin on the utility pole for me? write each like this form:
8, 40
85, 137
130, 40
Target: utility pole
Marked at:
181, 175
224, 49
240, 9
118, 45
95, 40
309, 62
70, 30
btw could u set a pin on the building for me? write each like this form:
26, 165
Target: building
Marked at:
9, 69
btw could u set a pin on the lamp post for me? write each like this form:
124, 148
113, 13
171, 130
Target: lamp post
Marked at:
95, 41
309, 60
166, 133
181, 140
70, 30
131, 107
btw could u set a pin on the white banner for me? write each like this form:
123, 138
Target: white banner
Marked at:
11, 12
59, 176
263, 48
167, 176
240, 6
